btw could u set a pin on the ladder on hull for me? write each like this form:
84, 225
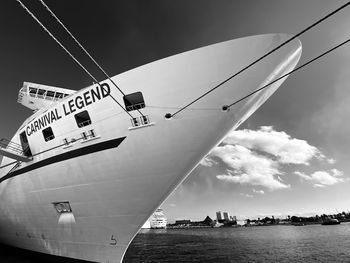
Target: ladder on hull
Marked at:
13, 150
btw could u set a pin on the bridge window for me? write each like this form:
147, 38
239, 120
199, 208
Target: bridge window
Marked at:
58, 95
41, 93
50, 95
32, 91
82, 119
48, 134
134, 101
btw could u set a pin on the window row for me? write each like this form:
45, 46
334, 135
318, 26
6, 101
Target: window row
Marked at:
46, 94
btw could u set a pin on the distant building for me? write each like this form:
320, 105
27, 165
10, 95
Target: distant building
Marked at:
219, 217
186, 223
158, 219
183, 222
208, 222
226, 216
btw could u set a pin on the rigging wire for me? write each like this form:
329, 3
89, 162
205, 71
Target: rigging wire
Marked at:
169, 115
289, 73
82, 47
70, 54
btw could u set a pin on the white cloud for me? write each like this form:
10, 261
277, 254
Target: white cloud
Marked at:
331, 161
322, 178
207, 161
279, 144
302, 175
258, 157
258, 191
337, 173
248, 167
246, 195
318, 185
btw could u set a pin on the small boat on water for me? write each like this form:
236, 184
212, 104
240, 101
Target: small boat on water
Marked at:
331, 221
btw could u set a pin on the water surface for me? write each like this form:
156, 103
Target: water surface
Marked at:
313, 243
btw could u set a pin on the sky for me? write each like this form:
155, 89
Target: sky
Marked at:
289, 158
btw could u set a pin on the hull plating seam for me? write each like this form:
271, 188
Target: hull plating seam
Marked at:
66, 156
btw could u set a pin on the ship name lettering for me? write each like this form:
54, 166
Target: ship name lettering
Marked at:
87, 98
43, 121
77, 103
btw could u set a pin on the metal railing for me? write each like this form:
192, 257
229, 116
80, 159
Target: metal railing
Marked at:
140, 121
84, 123
11, 146
136, 106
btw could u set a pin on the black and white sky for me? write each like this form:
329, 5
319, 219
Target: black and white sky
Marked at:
290, 157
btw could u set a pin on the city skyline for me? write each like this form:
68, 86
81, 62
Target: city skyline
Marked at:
290, 157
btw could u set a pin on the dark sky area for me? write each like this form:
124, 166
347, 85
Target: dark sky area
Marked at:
311, 105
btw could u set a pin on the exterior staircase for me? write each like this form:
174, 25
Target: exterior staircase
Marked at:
13, 150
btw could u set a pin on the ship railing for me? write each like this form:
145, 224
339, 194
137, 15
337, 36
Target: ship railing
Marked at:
84, 123
14, 151
140, 121
136, 106
11, 146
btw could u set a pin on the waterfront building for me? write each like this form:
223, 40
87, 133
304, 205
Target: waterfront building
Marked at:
226, 216
183, 222
219, 217
208, 221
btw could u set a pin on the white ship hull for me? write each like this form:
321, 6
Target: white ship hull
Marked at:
114, 187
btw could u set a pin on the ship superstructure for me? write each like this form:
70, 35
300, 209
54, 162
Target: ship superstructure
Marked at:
84, 175
38, 96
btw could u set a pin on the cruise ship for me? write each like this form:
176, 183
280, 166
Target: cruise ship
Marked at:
80, 176
158, 219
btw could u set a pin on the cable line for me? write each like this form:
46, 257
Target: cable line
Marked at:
168, 115
287, 74
70, 54
81, 46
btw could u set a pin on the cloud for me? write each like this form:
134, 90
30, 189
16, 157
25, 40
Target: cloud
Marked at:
246, 195
258, 157
280, 145
318, 185
302, 175
331, 161
207, 162
248, 167
337, 173
322, 178
258, 191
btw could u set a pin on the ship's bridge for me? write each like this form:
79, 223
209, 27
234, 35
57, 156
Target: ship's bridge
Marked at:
37, 96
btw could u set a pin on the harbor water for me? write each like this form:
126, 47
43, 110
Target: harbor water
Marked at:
310, 243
